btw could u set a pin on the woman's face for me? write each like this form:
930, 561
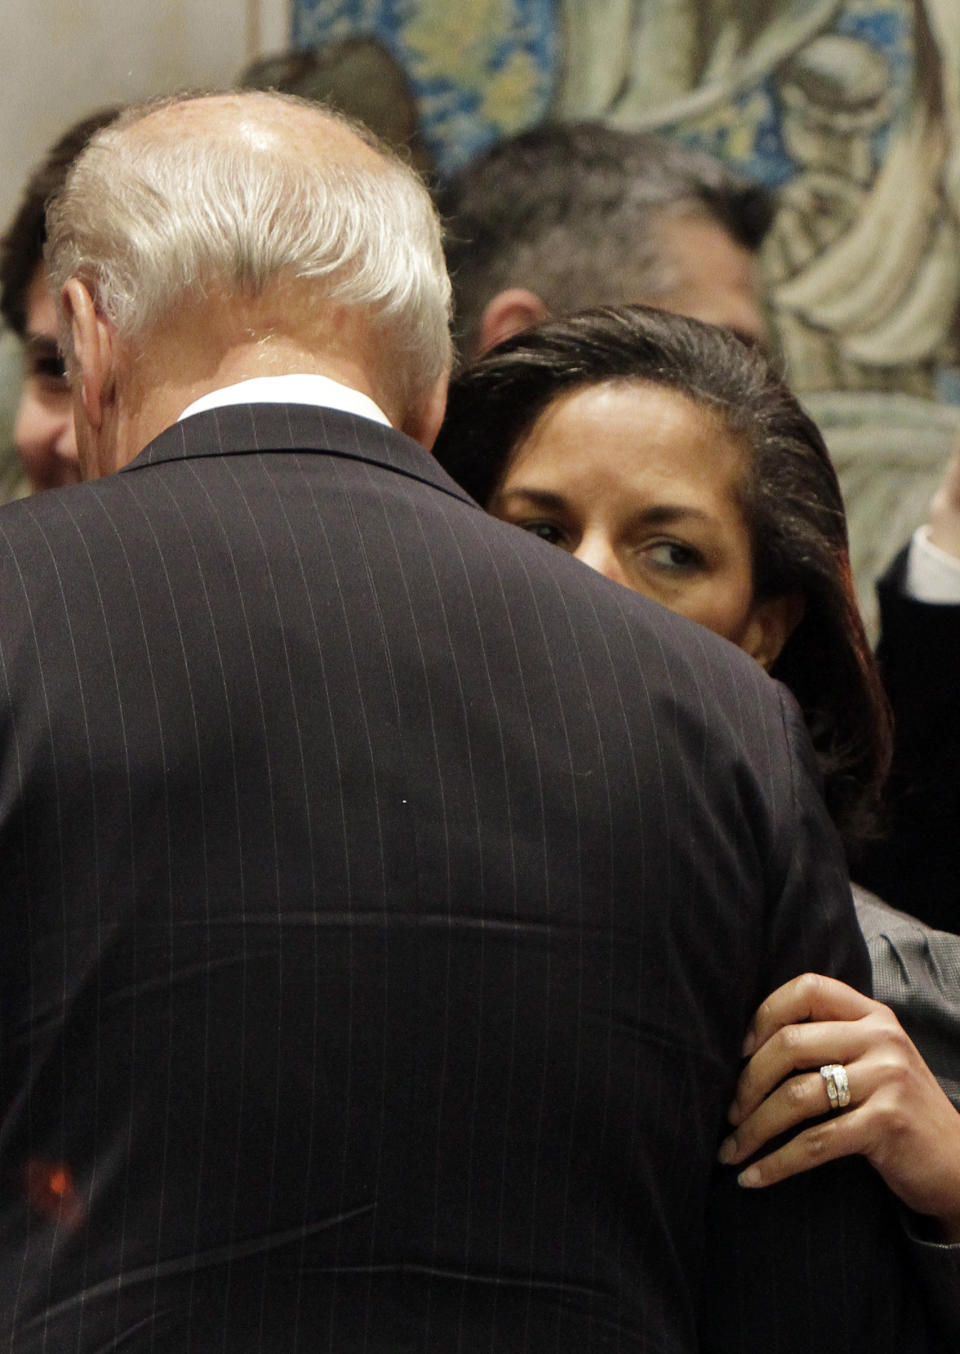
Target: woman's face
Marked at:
640, 483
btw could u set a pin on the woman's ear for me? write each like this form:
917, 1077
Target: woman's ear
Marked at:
771, 624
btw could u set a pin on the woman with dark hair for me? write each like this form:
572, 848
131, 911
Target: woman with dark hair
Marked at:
782, 486
669, 456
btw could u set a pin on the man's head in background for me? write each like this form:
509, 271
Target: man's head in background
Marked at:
43, 430
562, 217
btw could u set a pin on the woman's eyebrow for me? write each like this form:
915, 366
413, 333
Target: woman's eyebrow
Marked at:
660, 514
657, 515
542, 498
41, 345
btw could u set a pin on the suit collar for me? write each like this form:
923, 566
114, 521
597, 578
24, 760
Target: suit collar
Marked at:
245, 429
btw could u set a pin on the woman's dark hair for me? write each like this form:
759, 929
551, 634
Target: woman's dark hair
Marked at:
790, 498
21, 247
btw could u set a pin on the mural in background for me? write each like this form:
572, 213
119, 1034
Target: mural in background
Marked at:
481, 69
849, 108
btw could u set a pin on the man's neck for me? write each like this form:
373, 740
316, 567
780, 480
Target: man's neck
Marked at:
159, 385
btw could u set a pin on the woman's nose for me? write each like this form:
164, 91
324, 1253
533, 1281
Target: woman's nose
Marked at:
598, 552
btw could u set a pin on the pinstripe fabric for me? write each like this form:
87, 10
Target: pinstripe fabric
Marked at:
385, 896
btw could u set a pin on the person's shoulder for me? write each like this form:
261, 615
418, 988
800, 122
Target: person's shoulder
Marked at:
48, 540
878, 920
46, 514
931, 957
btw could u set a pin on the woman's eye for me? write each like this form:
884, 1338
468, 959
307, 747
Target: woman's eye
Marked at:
545, 530
673, 555
49, 369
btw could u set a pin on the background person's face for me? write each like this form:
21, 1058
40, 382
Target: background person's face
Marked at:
43, 431
716, 278
639, 483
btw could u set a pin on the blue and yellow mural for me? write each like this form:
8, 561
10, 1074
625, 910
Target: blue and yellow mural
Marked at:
480, 70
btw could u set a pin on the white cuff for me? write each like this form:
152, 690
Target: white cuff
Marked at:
932, 575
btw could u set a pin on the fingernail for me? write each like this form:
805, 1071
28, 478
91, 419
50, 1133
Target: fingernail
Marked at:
749, 1178
728, 1151
749, 1044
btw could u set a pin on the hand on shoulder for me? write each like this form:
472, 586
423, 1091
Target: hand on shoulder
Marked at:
897, 1116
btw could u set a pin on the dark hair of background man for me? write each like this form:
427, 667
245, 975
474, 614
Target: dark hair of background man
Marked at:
572, 212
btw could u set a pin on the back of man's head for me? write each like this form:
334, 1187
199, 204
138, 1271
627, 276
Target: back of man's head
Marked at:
577, 214
200, 205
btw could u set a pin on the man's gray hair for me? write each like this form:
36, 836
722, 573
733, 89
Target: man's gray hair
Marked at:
150, 226
573, 213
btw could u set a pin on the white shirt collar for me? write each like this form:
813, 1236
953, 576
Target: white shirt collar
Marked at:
294, 388
932, 575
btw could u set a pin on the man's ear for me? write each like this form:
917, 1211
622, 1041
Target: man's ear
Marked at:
508, 313
771, 624
423, 423
93, 350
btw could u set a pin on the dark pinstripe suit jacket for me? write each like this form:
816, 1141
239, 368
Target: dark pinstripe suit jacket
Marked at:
385, 895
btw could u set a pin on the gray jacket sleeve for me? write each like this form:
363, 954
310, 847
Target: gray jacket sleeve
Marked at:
916, 972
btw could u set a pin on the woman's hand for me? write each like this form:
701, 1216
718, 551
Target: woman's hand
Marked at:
898, 1117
